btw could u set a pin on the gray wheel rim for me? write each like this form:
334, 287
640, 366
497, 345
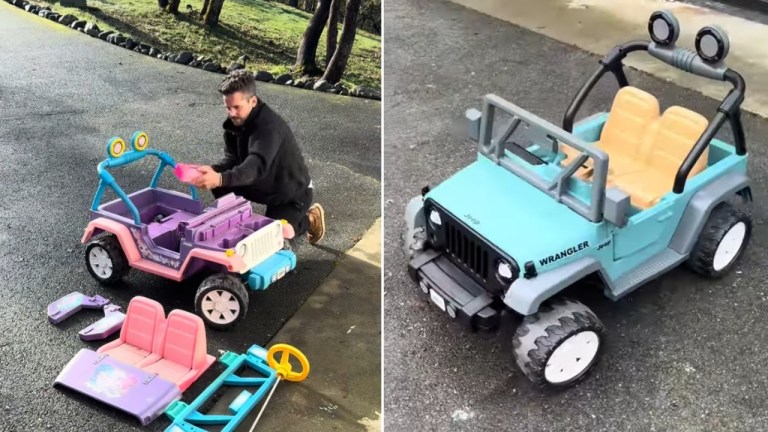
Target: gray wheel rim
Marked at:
220, 307
100, 262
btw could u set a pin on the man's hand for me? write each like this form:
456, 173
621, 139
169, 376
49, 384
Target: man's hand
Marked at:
208, 178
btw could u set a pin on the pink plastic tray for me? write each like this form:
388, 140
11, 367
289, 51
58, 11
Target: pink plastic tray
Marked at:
186, 173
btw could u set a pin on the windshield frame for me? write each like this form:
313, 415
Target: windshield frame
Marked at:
559, 188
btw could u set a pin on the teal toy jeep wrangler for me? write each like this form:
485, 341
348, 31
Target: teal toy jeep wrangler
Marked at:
621, 197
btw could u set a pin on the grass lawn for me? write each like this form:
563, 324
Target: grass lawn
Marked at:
269, 33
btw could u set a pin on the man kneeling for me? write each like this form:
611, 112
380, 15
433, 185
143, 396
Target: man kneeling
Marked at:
262, 160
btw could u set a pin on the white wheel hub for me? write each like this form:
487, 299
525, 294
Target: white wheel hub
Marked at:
100, 262
572, 357
221, 307
729, 246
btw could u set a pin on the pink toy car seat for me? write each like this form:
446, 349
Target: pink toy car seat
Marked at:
183, 354
140, 334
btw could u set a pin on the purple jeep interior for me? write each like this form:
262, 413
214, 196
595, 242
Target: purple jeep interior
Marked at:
167, 217
152, 203
229, 220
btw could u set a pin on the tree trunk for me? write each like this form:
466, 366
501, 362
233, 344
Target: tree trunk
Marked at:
337, 65
333, 30
214, 10
293, 3
173, 6
305, 58
204, 10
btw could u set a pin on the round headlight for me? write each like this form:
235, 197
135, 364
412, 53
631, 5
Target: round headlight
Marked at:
240, 250
712, 44
663, 28
505, 271
434, 217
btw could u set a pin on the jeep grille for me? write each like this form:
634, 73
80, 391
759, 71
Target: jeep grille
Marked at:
466, 250
261, 245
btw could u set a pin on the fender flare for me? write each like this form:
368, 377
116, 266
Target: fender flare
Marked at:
414, 221
525, 296
119, 230
701, 205
232, 264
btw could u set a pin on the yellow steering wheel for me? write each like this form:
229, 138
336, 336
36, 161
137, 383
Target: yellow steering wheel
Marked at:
283, 367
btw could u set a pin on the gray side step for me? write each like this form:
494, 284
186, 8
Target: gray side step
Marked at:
663, 262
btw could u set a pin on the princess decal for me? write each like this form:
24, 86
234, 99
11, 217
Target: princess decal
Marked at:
111, 382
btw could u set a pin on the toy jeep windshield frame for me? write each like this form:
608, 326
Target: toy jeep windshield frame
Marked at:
108, 181
508, 155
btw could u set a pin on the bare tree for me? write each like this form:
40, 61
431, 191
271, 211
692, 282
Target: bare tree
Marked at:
333, 30
212, 15
309, 5
204, 10
173, 6
305, 58
338, 63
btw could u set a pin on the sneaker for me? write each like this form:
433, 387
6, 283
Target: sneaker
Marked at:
316, 230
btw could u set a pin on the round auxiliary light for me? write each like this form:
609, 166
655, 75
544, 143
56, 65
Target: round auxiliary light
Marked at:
663, 28
712, 44
115, 147
140, 141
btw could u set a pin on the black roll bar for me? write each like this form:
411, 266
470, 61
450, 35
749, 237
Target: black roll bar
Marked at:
729, 109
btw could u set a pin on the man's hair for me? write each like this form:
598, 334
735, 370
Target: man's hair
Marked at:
238, 81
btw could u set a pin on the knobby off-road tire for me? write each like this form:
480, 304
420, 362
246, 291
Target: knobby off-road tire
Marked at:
221, 301
105, 260
559, 345
722, 241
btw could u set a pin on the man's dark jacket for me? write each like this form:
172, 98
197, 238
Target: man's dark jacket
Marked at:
263, 157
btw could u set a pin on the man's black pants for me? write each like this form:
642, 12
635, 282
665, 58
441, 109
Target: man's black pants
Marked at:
294, 211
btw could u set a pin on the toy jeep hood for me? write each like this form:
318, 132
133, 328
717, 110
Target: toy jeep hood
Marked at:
514, 216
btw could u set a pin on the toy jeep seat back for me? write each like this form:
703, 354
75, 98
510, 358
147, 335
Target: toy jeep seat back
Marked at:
667, 142
618, 199
644, 148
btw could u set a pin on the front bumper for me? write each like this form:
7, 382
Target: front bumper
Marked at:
271, 269
453, 291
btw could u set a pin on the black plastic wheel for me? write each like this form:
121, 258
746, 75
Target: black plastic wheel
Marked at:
105, 260
221, 301
559, 345
723, 239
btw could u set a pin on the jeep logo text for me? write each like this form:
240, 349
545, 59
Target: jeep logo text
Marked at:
471, 219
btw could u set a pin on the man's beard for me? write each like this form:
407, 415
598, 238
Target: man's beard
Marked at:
236, 121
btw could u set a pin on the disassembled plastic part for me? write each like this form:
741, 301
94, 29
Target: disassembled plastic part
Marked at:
268, 373
74, 302
112, 322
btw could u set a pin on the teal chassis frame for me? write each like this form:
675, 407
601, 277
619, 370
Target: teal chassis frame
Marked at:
187, 418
